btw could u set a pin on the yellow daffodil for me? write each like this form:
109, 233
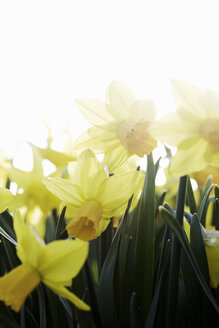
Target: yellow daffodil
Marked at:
120, 125
35, 199
193, 128
54, 265
9, 201
92, 197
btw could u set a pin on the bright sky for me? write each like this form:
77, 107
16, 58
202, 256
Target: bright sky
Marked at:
53, 52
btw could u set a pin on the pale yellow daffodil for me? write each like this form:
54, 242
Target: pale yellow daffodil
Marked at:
5, 163
35, 199
54, 264
120, 125
193, 128
59, 158
91, 196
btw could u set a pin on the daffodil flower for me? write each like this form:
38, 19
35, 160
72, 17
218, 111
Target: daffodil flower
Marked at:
193, 128
35, 200
54, 265
120, 126
92, 197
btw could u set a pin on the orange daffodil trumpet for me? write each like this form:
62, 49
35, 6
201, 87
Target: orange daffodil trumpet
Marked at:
193, 128
120, 126
92, 197
54, 264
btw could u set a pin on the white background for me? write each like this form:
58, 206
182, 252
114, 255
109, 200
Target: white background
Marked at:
52, 52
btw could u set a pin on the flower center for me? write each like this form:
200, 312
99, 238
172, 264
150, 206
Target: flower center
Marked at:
135, 138
210, 132
85, 223
16, 285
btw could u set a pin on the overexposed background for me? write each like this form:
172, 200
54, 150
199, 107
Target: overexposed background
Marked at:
52, 52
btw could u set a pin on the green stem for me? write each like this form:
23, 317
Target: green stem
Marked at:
172, 302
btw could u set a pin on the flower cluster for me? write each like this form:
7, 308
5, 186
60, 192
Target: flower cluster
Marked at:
64, 227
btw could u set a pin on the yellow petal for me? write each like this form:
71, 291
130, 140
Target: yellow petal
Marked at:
22, 178
115, 192
37, 172
62, 260
213, 158
6, 199
16, 285
86, 220
85, 141
88, 174
58, 158
189, 96
170, 129
95, 111
30, 246
115, 157
120, 99
143, 110
212, 99
190, 157
64, 292
213, 264
65, 190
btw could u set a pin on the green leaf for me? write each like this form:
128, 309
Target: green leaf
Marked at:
134, 312
7, 318
203, 207
6, 222
183, 240
198, 303
215, 220
144, 252
106, 295
91, 294
42, 304
104, 242
190, 198
175, 258
124, 273
198, 247
61, 225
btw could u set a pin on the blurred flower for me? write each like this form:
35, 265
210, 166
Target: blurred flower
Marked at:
193, 128
201, 176
54, 264
5, 163
59, 158
34, 198
92, 197
120, 126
